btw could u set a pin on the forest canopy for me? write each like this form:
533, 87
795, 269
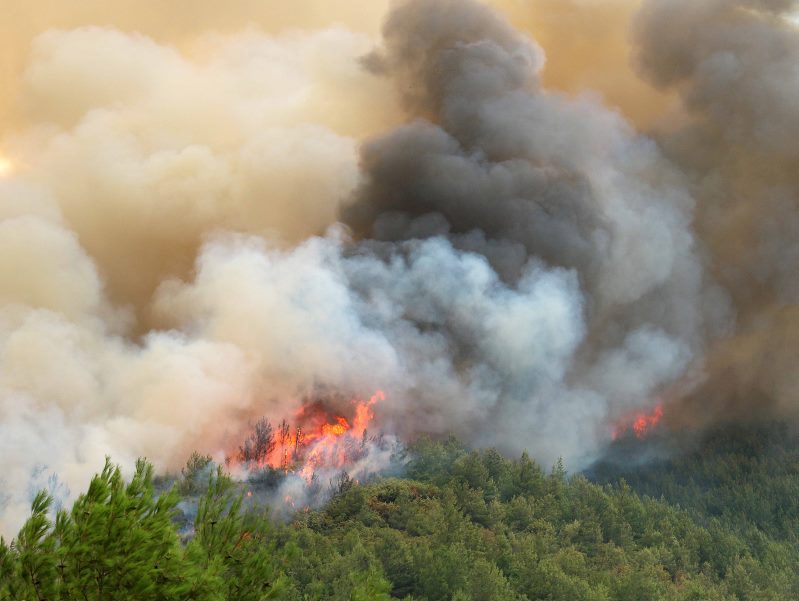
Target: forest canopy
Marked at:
458, 525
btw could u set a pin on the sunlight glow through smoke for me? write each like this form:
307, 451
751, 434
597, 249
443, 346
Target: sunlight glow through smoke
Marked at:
6, 166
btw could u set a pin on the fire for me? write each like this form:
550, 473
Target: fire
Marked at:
319, 440
645, 423
340, 441
364, 413
640, 423
337, 429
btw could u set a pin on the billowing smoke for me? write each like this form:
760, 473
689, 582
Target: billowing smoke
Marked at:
733, 64
198, 234
136, 157
597, 294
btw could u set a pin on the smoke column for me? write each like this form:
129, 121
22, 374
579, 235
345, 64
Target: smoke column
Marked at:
739, 154
212, 221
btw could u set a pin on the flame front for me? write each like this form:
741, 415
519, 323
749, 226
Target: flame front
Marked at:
640, 423
340, 442
320, 440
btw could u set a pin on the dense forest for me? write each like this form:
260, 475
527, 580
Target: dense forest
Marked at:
718, 522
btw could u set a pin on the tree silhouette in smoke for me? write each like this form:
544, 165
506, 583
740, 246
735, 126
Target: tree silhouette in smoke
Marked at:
259, 444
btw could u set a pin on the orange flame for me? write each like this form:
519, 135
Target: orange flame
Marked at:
332, 448
640, 423
337, 429
364, 414
321, 440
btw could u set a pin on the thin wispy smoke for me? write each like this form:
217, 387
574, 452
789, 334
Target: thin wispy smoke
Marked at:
198, 232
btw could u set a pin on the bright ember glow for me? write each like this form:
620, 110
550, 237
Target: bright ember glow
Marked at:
640, 423
318, 440
340, 442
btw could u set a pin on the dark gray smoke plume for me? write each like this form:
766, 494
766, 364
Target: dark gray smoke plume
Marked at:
534, 187
734, 66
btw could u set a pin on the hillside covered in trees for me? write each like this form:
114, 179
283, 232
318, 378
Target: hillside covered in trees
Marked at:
718, 523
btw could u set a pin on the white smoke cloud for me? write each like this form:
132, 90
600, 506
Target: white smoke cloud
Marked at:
134, 154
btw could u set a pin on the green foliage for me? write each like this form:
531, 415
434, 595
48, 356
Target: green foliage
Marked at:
467, 526
119, 542
235, 551
28, 567
748, 477
194, 475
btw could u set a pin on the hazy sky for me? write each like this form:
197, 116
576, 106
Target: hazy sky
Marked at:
586, 40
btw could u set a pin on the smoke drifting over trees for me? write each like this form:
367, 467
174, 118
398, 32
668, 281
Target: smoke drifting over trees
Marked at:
194, 235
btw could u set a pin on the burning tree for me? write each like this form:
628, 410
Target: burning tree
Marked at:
259, 445
318, 440
640, 423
